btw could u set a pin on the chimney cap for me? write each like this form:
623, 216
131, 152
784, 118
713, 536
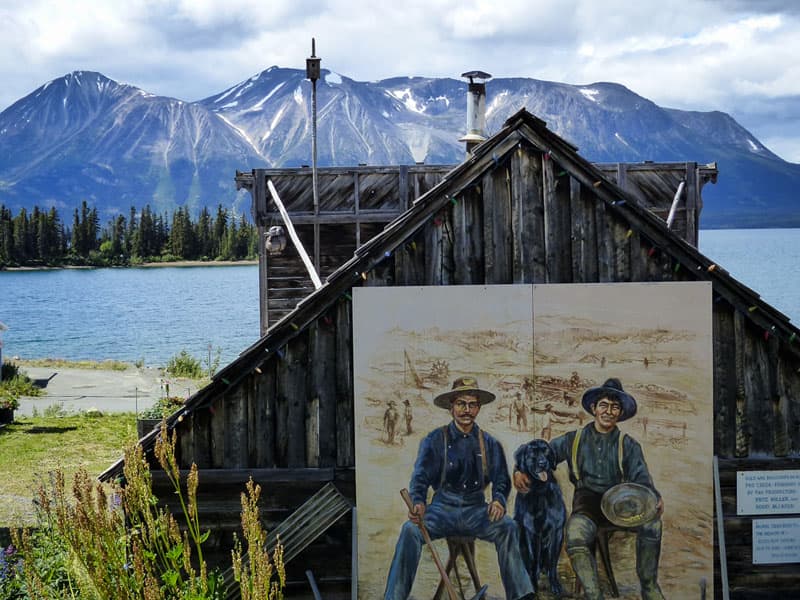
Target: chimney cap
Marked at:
476, 75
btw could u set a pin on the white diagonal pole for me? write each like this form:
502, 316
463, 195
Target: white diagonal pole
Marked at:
293, 234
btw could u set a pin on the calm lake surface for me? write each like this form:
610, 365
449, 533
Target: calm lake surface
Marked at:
765, 260
132, 314
151, 314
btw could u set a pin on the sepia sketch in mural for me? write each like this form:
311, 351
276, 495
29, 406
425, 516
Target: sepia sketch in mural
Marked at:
538, 358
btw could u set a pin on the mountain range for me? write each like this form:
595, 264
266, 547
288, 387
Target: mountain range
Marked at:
86, 137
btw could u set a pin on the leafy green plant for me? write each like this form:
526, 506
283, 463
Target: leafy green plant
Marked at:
14, 384
184, 364
115, 541
12, 583
163, 407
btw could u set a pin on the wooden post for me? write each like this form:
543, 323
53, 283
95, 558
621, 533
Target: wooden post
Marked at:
723, 556
527, 218
724, 381
345, 433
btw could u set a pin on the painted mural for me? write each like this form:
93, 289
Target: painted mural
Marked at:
535, 364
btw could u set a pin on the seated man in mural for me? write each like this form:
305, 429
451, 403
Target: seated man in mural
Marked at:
458, 461
600, 456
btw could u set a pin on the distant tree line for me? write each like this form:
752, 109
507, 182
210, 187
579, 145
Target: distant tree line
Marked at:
41, 238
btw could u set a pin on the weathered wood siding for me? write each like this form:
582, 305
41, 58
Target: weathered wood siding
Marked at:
354, 205
525, 216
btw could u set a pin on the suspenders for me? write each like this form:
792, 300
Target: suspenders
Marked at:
484, 461
574, 456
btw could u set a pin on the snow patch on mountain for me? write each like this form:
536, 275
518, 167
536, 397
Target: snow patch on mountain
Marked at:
418, 142
589, 93
274, 122
333, 78
224, 95
260, 104
496, 102
407, 98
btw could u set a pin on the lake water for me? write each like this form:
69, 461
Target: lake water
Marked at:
765, 260
151, 314
147, 314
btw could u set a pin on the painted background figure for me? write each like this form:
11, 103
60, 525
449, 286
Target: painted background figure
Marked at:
459, 461
600, 456
390, 418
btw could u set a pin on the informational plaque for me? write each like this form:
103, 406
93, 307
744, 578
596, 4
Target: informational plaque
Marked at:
776, 541
768, 492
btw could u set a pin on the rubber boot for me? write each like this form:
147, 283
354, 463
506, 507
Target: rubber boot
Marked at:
585, 567
648, 552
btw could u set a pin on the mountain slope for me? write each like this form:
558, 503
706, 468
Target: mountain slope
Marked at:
85, 136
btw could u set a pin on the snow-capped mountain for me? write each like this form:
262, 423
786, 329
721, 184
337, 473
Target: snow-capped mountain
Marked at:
84, 136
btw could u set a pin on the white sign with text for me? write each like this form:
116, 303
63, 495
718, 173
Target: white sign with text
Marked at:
776, 541
768, 492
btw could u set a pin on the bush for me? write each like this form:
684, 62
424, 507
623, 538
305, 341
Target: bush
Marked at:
163, 407
15, 384
185, 365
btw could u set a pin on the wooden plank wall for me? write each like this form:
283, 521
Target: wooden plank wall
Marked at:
524, 221
354, 205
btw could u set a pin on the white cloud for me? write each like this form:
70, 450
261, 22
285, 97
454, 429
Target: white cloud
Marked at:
712, 55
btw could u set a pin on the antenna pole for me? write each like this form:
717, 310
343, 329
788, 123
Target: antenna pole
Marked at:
312, 73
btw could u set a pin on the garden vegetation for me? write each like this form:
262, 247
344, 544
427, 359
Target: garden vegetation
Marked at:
99, 542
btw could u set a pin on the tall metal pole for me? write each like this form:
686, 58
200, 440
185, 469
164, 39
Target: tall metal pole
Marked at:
313, 73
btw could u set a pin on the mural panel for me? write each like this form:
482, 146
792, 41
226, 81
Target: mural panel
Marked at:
521, 360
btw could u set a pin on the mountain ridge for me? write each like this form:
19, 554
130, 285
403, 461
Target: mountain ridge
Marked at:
87, 137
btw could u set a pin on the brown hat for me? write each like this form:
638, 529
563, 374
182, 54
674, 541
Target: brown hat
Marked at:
463, 385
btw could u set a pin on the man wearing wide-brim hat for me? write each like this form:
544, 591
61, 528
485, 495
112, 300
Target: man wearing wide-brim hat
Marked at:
459, 461
600, 457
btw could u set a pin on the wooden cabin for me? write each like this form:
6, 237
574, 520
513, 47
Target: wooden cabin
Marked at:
355, 203
524, 208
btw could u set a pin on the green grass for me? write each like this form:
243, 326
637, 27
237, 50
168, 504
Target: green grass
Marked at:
112, 365
32, 446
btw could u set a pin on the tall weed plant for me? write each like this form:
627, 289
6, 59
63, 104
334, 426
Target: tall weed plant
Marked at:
97, 542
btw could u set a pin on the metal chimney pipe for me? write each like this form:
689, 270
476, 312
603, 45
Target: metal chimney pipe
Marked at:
476, 109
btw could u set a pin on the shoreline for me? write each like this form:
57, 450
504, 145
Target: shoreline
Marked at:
145, 265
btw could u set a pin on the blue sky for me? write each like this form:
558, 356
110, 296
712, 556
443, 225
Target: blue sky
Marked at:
734, 56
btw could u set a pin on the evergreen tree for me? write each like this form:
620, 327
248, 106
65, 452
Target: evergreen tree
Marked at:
6, 236
76, 233
118, 238
202, 235
22, 244
220, 231
131, 233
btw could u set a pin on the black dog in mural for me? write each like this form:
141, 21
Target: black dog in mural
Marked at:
540, 514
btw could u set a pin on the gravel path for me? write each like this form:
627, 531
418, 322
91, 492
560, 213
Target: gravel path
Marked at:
108, 391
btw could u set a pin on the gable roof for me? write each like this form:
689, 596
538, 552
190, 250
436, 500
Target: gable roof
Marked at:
522, 128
